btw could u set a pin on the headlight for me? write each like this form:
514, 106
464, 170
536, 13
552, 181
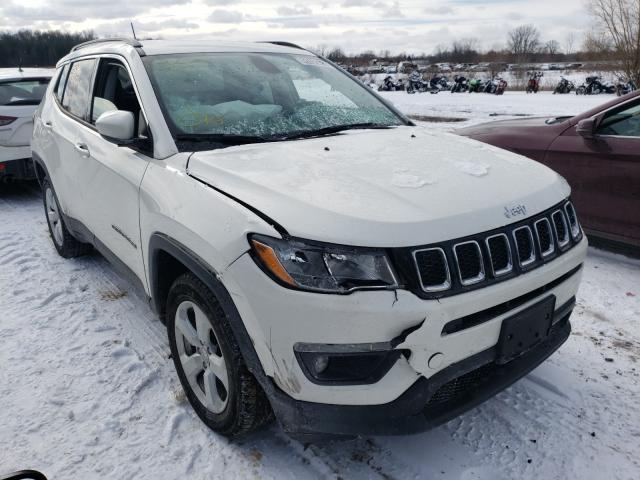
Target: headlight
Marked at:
323, 268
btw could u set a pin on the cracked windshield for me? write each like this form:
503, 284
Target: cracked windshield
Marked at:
266, 96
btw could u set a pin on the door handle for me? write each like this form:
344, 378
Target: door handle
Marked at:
48, 124
83, 149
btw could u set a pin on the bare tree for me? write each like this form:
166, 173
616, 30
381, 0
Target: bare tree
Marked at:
464, 50
618, 25
523, 42
569, 43
552, 47
336, 55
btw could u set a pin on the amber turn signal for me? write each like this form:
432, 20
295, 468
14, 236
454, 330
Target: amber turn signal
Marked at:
270, 260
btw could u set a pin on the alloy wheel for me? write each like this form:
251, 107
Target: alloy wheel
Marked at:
201, 357
53, 217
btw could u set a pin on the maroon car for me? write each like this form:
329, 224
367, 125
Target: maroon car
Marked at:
598, 152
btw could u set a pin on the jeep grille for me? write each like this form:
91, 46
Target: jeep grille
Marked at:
459, 265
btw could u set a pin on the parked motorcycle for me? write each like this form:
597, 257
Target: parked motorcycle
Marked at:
533, 85
438, 83
475, 85
496, 86
623, 86
564, 86
593, 86
388, 85
416, 83
460, 84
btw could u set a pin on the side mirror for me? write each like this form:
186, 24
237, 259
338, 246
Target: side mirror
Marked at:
117, 125
586, 128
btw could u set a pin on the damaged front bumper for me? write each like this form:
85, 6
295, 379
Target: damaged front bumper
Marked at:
373, 362
426, 404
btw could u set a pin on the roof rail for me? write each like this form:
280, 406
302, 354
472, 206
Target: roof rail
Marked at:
129, 41
285, 44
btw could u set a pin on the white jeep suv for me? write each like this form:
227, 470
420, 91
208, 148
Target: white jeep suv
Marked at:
313, 254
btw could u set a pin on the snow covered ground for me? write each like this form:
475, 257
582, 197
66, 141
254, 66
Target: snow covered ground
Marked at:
87, 390
465, 109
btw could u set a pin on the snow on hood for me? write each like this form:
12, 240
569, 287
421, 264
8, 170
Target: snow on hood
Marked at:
398, 187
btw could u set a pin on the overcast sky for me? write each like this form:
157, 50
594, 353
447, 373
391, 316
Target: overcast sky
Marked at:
355, 25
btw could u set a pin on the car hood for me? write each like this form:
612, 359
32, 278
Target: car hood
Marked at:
383, 188
535, 124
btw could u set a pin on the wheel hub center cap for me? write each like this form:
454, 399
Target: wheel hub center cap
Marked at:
204, 354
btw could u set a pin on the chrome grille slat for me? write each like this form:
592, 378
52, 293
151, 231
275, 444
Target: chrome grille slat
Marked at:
524, 245
544, 237
560, 228
573, 220
469, 262
428, 262
495, 252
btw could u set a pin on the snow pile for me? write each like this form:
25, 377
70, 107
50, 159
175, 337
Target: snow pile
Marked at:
404, 179
473, 168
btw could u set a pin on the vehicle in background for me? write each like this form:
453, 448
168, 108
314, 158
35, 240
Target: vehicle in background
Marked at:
564, 86
495, 86
24, 475
475, 85
460, 84
20, 93
598, 152
594, 85
625, 86
416, 83
388, 85
406, 67
533, 85
439, 82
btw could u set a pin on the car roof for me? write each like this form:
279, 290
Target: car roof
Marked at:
9, 74
164, 47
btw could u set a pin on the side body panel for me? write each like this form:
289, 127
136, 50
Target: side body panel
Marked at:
604, 174
204, 221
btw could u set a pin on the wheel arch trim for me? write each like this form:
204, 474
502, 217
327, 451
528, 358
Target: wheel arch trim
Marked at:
162, 243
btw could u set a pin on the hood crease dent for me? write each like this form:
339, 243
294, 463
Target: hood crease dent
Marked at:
379, 188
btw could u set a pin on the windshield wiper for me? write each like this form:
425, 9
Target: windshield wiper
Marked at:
221, 138
331, 130
231, 139
22, 102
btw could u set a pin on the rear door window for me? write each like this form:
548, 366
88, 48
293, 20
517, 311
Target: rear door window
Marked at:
78, 90
62, 81
23, 92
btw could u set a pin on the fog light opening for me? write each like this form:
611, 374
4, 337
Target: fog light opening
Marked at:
320, 363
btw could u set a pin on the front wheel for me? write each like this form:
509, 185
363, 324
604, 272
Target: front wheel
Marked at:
213, 374
66, 245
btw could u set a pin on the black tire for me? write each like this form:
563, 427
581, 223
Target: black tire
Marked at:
247, 407
65, 243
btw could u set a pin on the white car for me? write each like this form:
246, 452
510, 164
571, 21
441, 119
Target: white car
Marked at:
20, 93
313, 254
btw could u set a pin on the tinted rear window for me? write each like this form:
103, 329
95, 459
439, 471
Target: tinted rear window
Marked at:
23, 92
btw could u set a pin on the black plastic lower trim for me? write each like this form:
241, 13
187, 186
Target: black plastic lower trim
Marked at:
411, 412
